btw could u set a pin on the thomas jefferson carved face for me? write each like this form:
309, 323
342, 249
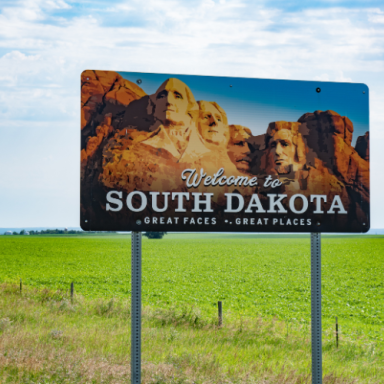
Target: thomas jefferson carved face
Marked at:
172, 103
238, 148
282, 150
212, 124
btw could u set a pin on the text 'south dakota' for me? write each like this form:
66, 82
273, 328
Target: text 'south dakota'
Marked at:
202, 202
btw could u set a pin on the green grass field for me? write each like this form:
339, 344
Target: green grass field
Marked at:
260, 279
252, 275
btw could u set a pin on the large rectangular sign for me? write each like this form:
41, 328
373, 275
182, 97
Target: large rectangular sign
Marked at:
218, 154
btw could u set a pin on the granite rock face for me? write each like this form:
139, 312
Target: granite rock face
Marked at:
105, 97
362, 146
100, 88
328, 137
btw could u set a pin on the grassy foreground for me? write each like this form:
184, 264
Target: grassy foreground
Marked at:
44, 338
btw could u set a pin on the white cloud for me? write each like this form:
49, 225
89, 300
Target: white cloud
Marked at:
340, 77
377, 16
322, 77
58, 4
17, 55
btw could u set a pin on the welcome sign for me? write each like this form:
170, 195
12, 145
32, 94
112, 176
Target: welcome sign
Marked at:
164, 152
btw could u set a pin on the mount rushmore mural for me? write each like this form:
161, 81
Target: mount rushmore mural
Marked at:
168, 160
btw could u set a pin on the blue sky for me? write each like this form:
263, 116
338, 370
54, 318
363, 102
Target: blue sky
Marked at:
255, 103
46, 44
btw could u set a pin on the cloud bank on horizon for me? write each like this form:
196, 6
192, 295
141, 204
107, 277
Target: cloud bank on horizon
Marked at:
46, 44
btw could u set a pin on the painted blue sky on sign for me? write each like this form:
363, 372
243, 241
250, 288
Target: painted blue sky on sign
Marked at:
255, 103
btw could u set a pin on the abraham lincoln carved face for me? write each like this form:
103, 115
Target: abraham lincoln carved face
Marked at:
282, 151
285, 148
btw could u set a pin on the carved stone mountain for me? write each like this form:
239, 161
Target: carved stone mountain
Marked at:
328, 137
362, 146
105, 101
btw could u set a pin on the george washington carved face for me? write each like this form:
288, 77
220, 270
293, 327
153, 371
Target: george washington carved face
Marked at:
173, 103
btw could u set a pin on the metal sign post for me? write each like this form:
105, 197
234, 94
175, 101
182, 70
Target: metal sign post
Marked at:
316, 308
136, 309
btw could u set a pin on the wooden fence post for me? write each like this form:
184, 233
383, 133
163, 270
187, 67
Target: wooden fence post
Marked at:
72, 292
337, 333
